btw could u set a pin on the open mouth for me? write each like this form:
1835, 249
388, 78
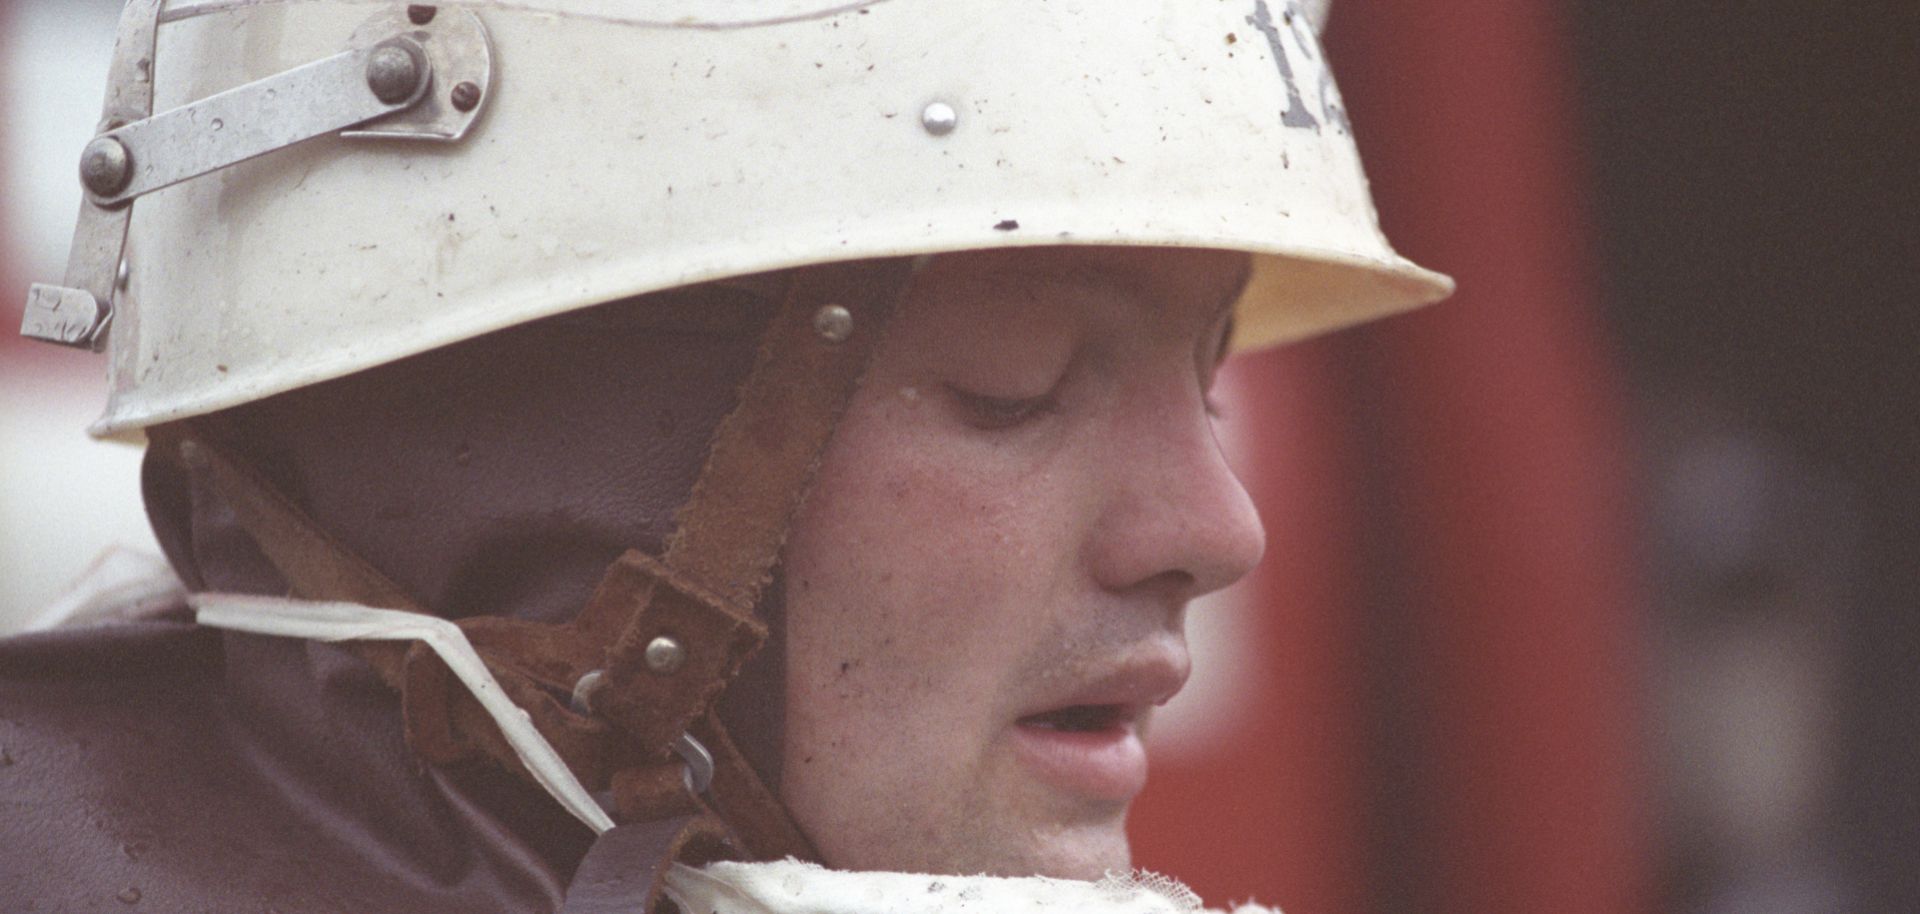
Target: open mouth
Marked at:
1079, 719
1091, 750
1083, 740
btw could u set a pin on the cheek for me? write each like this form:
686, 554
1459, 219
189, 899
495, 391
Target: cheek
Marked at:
883, 558
912, 572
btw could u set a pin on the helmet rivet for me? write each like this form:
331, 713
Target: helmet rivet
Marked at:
421, 13
583, 690
393, 73
665, 655
105, 166
466, 95
834, 323
939, 118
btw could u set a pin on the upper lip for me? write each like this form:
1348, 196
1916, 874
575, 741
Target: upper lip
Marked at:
1143, 676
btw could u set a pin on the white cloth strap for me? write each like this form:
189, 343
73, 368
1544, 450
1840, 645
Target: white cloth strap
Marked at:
319, 621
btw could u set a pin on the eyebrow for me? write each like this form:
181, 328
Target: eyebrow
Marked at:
1091, 276
1109, 280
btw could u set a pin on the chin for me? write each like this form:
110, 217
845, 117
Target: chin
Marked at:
1071, 853
1054, 850
1090, 863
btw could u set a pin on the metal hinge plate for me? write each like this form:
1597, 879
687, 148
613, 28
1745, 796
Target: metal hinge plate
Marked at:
401, 78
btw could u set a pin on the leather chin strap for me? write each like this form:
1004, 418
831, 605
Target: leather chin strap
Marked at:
700, 594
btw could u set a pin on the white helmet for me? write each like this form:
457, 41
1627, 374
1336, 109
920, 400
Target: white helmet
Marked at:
591, 150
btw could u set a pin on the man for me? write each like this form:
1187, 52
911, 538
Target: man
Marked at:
802, 411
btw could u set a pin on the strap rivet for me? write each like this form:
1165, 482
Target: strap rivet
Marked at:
393, 73
105, 166
420, 13
665, 655
834, 323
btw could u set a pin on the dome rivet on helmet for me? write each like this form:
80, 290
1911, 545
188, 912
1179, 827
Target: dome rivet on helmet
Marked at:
834, 323
939, 118
665, 655
420, 13
105, 166
394, 73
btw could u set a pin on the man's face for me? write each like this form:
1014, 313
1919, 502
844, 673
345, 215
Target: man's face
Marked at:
987, 584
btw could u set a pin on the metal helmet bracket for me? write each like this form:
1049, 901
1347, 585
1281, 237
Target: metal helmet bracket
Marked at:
407, 73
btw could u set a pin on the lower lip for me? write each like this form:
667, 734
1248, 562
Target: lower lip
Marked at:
1108, 764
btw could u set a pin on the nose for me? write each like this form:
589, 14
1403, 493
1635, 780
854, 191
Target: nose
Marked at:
1177, 519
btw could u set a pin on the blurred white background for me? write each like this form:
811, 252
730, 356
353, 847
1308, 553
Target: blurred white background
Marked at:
64, 498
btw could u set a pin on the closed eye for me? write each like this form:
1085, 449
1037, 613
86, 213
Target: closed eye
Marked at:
989, 412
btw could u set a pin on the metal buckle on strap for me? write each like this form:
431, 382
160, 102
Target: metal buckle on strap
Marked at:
400, 77
699, 771
698, 774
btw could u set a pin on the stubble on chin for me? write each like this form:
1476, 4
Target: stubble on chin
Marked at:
1019, 830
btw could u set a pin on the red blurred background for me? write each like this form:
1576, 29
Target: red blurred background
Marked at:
1591, 590
1450, 602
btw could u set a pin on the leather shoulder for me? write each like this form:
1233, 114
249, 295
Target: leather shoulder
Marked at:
91, 720
170, 767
